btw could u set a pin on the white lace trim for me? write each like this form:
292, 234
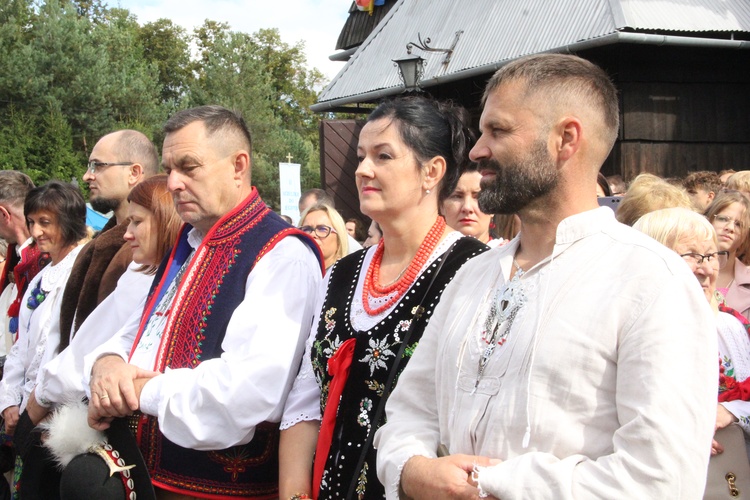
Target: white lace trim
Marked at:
475, 477
297, 419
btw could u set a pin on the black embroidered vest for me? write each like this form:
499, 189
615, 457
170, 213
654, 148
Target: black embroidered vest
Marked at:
211, 289
374, 354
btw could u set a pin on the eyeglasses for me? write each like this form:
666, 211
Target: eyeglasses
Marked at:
321, 231
96, 167
723, 220
697, 259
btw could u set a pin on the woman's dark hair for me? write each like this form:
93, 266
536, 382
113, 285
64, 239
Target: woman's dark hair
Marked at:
431, 128
153, 195
66, 202
602, 181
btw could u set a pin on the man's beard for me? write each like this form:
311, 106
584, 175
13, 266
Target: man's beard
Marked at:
104, 205
518, 182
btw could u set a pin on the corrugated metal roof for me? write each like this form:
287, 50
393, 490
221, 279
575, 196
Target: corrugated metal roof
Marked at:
495, 31
686, 15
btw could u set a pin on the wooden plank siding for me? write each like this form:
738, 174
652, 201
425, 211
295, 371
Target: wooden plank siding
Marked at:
338, 162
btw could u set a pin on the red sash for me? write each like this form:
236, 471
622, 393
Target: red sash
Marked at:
338, 368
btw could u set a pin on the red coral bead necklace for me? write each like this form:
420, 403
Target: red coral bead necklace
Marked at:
397, 289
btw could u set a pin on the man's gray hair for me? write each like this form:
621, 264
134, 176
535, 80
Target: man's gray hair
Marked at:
14, 186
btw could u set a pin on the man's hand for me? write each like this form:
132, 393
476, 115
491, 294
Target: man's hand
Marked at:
447, 477
115, 390
35, 411
11, 415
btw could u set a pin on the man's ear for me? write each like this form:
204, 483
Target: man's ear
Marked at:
5, 214
570, 135
242, 165
135, 174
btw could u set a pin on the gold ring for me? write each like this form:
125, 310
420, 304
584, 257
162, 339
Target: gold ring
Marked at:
106, 396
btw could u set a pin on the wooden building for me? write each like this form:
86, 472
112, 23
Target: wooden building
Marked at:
682, 68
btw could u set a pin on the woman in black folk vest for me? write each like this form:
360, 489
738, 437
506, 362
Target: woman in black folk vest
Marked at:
376, 303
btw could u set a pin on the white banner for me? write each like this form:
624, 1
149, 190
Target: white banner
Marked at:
290, 190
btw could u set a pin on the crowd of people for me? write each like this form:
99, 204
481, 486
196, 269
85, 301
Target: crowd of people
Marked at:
494, 333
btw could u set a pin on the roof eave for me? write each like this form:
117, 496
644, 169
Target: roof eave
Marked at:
609, 39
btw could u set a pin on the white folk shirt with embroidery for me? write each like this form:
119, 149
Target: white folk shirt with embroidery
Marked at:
218, 404
609, 374
38, 333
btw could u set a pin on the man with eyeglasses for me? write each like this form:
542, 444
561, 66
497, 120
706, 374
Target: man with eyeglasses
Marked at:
118, 162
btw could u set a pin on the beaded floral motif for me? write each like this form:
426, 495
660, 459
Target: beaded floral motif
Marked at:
362, 482
378, 354
365, 406
327, 317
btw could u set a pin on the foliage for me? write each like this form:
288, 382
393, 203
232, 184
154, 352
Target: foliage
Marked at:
74, 70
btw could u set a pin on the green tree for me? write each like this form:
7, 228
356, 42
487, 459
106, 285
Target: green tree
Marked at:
167, 46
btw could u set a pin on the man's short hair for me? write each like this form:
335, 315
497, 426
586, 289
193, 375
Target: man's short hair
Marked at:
320, 195
14, 186
134, 146
705, 180
562, 77
216, 119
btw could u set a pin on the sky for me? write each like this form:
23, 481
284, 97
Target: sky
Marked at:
316, 22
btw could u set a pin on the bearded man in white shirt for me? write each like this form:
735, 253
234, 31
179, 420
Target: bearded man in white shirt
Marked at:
577, 361
209, 366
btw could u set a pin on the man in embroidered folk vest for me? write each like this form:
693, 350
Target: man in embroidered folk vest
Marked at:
223, 330
578, 360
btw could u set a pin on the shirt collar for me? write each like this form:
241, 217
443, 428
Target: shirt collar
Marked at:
195, 238
579, 226
20, 248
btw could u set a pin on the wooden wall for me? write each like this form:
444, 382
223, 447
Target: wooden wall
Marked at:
338, 162
682, 109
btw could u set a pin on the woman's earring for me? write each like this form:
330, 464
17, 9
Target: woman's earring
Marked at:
427, 191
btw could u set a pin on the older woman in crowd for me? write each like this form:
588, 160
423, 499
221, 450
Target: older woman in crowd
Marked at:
56, 217
694, 239
376, 303
327, 228
729, 214
647, 193
461, 208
